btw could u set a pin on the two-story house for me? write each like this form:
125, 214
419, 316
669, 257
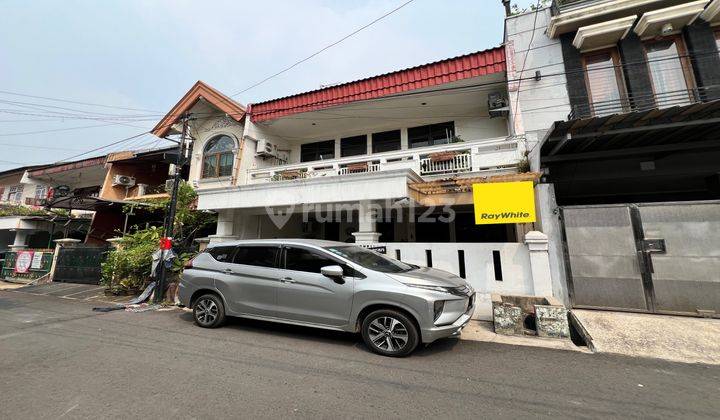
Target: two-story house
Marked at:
632, 171
21, 222
387, 161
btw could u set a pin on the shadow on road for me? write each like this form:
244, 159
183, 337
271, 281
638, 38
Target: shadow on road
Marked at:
318, 335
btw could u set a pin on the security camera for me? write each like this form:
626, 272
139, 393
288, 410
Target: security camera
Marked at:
667, 29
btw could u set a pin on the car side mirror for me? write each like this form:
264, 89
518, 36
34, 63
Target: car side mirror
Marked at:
332, 271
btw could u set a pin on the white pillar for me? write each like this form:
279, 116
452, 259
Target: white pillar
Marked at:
537, 243
225, 226
20, 241
61, 243
404, 143
367, 217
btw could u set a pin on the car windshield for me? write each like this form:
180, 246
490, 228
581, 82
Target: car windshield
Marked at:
371, 259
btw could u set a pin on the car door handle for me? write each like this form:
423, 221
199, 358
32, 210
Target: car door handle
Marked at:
287, 280
228, 270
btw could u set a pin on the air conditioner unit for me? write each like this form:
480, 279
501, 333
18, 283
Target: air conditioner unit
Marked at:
123, 180
265, 149
498, 105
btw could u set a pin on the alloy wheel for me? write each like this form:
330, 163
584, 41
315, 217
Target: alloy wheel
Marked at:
388, 334
206, 311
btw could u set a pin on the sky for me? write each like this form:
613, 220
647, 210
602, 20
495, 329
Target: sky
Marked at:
146, 54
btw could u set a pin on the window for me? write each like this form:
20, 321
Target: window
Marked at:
321, 150
353, 146
370, 259
218, 157
431, 135
222, 253
604, 80
40, 192
2, 192
15, 193
386, 141
260, 256
299, 259
670, 71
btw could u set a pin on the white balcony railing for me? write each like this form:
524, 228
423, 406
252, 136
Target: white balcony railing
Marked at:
427, 161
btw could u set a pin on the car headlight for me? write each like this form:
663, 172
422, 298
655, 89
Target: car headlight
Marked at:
441, 289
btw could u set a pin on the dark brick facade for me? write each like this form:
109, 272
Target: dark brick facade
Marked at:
705, 59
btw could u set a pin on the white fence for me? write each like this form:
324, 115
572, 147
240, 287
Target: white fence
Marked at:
488, 267
470, 157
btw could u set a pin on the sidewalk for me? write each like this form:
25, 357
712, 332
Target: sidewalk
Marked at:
73, 291
674, 338
6, 285
484, 331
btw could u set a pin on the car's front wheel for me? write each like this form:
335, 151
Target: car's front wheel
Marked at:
208, 311
390, 333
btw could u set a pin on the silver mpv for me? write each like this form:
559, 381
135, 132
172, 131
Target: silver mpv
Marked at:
332, 285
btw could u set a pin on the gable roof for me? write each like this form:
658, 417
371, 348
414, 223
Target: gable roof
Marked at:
200, 90
432, 74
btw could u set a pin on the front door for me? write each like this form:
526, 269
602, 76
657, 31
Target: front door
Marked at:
308, 296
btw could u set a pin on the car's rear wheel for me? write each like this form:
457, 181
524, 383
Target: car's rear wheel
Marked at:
209, 311
390, 333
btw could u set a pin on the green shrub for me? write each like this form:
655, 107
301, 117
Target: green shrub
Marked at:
127, 268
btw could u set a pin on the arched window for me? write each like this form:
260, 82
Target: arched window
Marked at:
218, 157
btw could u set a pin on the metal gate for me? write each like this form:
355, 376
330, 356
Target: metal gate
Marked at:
650, 257
81, 264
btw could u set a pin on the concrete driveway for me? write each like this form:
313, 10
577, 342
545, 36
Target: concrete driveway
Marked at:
73, 291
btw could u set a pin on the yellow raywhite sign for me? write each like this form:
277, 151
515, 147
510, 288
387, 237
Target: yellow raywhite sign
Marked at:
504, 202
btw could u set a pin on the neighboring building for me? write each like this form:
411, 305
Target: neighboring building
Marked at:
22, 222
631, 175
386, 161
131, 177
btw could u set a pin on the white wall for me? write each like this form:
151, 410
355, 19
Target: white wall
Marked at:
479, 268
16, 179
542, 102
535, 106
205, 131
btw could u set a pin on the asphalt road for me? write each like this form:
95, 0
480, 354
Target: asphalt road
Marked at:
58, 359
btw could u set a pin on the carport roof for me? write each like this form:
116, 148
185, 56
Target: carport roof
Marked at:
692, 126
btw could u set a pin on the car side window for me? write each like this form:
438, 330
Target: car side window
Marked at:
222, 253
260, 256
300, 259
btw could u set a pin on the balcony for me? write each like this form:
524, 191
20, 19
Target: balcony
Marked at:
435, 161
635, 103
560, 6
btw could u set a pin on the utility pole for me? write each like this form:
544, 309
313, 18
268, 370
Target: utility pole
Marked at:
166, 240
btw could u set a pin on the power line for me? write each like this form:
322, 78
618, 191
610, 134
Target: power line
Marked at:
527, 52
323, 49
38, 147
74, 102
55, 130
101, 114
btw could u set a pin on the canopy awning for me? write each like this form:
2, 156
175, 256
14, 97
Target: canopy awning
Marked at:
687, 127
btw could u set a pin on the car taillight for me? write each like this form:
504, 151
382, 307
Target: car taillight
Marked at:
188, 264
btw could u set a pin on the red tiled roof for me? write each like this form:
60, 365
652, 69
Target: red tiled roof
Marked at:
62, 167
445, 71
